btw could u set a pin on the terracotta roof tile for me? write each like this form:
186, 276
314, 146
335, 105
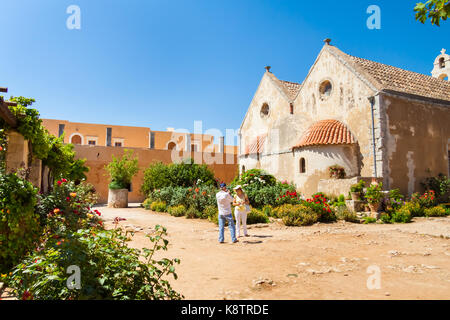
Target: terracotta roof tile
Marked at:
400, 80
256, 146
290, 88
326, 132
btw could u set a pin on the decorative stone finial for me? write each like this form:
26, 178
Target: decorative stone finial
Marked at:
267, 68
443, 51
327, 41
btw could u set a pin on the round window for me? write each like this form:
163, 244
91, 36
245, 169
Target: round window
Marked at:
325, 88
264, 110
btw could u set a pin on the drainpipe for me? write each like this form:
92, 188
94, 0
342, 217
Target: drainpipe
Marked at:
372, 103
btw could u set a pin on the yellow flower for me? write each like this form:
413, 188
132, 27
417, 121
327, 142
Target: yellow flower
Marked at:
4, 275
73, 194
7, 211
56, 210
90, 215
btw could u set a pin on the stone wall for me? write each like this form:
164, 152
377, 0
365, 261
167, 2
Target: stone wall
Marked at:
98, 157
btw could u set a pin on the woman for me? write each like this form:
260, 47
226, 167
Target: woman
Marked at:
242, 207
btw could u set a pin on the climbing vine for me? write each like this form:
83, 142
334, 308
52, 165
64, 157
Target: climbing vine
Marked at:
57, 156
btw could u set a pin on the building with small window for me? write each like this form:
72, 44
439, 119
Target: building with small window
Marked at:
372, 119
91, 134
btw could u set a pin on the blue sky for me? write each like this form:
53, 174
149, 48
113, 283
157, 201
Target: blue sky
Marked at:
166, 63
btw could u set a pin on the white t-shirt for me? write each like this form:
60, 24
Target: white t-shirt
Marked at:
224, 201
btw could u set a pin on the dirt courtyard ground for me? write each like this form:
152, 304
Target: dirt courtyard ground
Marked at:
324, 261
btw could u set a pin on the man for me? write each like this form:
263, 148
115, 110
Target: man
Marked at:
224, 200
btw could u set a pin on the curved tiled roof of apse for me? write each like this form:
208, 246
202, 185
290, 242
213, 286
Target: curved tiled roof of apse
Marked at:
326, 132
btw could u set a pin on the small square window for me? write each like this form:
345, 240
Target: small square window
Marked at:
91, 142
118, 144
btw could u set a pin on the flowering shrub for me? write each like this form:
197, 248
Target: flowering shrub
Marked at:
373, 193
396, 199
256, 178
290, 197
319, 203
109, 268
69, 205
441, 186
427, 200
337, 172
19, 224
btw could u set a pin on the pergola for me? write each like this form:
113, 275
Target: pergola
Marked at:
5, 113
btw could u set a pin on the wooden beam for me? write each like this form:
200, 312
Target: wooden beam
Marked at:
3, 89
6, 114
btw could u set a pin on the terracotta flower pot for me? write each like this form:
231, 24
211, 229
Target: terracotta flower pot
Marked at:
355, 196
374, 206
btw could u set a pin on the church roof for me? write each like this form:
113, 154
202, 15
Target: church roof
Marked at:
389, 78
291, 88
326, 132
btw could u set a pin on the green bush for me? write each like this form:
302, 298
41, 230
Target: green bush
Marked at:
57, 156
267, 210
368, 220
147, 203
319, 204
198, 197
122, 170
440, 185
396, 199
158, 206
177, 211
212, 214
193, 213
358, 187
437, 211
19, 223
255, 178
374, 193
274, 195
426, 200
159, 175
402, 215
343, 213
109, 268
296, 215
256, 216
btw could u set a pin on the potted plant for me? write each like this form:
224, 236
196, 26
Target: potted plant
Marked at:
337, 172
373, 196
121, 171
356, 190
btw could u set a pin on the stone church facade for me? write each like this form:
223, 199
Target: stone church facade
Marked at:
372, 119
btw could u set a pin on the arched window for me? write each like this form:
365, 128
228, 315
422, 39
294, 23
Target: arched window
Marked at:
264, 110
291, 106
76, 139
172, 146
243, 169
442, 63
302, 165
325, 88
